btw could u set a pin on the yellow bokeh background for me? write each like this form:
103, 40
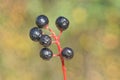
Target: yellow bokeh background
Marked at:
94, 35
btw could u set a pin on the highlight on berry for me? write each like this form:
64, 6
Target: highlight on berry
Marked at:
62, 23
42, 21
46, 53
67, 53
35, 33
45, 40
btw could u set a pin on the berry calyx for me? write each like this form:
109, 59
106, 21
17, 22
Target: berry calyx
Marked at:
46, 54
67, 53
42, 21
35, 33
62, 23
45, 40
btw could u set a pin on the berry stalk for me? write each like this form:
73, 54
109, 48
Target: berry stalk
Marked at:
57, 42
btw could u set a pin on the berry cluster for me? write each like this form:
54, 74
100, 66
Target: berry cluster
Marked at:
36, 34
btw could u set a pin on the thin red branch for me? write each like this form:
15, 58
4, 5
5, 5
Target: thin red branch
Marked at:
57, 42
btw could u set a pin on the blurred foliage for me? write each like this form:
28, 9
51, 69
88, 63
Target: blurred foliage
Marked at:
94, 33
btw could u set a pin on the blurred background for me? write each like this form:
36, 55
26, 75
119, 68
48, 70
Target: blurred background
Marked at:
94, 35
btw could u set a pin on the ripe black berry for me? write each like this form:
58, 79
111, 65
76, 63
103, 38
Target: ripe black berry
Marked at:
45, 40
62, 23
35, 33
67, 53
42, 21
46, 54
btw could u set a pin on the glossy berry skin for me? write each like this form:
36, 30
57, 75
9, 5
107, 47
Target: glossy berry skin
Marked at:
46, 54
42, 21
45, 40
67, 53
62, 23
35, 33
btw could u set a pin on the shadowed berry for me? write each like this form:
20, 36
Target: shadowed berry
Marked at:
45, 40
35, 34
67, 53
42, 21
46, 54
62, 23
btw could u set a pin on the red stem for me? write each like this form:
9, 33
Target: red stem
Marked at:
57, 39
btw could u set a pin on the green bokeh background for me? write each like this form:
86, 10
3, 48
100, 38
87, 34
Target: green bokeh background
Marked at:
94, 35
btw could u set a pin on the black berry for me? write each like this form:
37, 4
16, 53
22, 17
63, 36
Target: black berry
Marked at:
35, 33
62, 23
42, 21
46, 54
45, 40
67, 53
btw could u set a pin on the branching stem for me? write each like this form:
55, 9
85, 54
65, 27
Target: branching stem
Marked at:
57, 42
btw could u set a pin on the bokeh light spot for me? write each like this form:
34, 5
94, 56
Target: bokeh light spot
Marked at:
110, 41
79, 15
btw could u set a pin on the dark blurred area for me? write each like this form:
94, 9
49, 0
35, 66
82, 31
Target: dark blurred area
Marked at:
94, 35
